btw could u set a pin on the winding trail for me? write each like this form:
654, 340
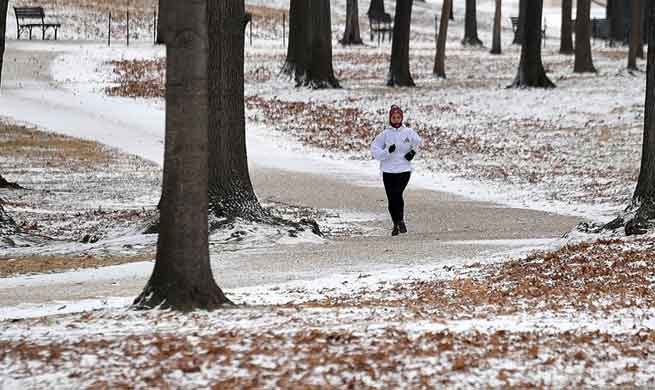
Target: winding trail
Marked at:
443, 228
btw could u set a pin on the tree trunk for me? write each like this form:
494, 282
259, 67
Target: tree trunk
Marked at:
440, 56
635, 35
645, 191
617, 20
376, 8
3, 30
531, 71
566, 39
351, 36
309, 54
471, 25
583, 60
399, 72
160, 23
452, 12
182, 278
518, 36
496, 47
231, 194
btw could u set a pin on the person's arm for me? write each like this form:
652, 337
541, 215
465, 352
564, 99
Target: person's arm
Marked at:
378, 148
415, 142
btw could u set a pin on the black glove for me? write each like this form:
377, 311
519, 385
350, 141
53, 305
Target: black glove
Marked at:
392, 148
410, 155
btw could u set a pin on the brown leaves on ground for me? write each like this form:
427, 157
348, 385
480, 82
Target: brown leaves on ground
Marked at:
46, 264
139, 78
604, 275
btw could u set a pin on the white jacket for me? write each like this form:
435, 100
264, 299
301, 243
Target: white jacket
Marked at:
405, 140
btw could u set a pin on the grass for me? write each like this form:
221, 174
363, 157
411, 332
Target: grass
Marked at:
48, 264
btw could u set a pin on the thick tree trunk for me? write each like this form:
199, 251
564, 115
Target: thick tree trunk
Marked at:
531, 71
583, 60
182, 278
440, 56
160, 23
399, 72
309, 54
471, 25
351, 36
518, 36
566, 38
376, 8
496, 47
617, 20
635, 34
3, 30
231, 194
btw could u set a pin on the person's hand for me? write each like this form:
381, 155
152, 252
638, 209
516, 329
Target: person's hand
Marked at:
410, 155
392, 148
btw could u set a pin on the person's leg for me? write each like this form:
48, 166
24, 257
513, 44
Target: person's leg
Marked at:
388, 179
403, 180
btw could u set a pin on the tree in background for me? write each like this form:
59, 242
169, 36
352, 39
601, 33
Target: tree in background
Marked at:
566, 34
616, 15
3, 31
309, 53
182, 277
496, 46
440, 56
399, 72
531, 72
351, 36
583, 59
518, 37
635, 35
471, 25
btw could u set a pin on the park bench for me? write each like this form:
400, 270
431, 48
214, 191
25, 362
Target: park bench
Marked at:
515, 29
26, 14
380, 25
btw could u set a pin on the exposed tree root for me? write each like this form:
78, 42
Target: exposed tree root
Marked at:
173, 293
635, 220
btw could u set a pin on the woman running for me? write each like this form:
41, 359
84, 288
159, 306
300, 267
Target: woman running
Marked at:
395, 148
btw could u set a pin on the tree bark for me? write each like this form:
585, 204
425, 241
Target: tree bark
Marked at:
440, 56
645, 191
376, 8
566, 39
531, 72
231, 194
160, 23
635, 35
583, 59
471, 25
518, 36
399, 72
309, 54
352, 36
496, 47
182, 277
3, 30
617, 20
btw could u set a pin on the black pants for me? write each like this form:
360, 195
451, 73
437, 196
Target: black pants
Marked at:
394, 185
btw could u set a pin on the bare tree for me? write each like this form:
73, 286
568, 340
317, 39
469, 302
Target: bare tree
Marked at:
518, 36
3, 31
471, 25
616, 9
399, 72
496, 47
452, 12
566, 34
440, 56
351, 36
309, 54
583, 60
635, 35
376, 8
531, 72
182, 278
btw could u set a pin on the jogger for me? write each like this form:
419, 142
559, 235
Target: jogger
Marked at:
395, 148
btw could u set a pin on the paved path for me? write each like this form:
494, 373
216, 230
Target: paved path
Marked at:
443, 228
